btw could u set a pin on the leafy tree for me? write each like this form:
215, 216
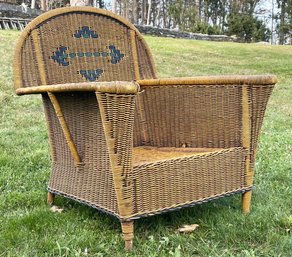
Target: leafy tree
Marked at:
284, 27
184, 14
260, 31
247, 28
241, 25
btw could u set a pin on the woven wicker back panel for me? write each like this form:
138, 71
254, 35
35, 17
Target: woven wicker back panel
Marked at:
93, 180
84, 46
190, 116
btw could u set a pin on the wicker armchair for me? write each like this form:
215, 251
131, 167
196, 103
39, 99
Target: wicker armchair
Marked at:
125, 142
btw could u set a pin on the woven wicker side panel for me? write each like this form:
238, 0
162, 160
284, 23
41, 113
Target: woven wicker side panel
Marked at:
118, 117
141, 133
92, 181
146, 68
190, 116
260, 97
172, 183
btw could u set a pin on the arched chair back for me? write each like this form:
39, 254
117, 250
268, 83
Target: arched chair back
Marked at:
80, 44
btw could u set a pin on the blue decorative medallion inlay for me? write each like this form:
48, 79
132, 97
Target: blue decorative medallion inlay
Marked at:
91, 75
85, 32
62, 55
115, 54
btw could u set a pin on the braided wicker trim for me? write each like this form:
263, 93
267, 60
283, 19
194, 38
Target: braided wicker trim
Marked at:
138, 216
115, 87
213, 80
205, 200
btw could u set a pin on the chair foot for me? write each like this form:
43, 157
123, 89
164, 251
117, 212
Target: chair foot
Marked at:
51, 198
129, 245
128, 234
246, 199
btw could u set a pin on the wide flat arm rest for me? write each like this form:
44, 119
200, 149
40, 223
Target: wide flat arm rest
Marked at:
115, 87
213, 80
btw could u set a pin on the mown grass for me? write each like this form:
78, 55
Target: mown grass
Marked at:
29, 228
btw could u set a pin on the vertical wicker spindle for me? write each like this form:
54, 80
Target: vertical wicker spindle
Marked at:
246, 138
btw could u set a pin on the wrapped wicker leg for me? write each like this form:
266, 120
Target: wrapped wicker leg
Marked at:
128, 234
246, 200
51, 198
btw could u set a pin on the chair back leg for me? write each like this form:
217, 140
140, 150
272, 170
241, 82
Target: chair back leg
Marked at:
51, 198
246, 199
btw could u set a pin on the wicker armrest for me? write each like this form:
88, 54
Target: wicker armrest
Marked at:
213, 80
116, 87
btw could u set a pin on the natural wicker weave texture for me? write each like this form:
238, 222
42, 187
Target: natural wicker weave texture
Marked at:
134, 149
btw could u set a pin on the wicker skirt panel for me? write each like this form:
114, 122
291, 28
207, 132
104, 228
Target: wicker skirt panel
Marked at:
92, 180
169, 184
87, 183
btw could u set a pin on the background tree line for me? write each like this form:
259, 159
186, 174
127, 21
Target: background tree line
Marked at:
284, 26
229, 17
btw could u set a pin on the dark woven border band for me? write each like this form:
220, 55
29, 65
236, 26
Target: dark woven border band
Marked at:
240, 191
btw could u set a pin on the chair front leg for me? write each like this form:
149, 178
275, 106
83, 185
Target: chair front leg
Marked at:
128, 234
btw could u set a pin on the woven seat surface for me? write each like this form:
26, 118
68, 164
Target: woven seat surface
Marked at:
148, 154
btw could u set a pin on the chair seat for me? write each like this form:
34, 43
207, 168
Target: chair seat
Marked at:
148, 154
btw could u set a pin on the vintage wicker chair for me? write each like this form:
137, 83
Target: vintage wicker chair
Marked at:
135, 149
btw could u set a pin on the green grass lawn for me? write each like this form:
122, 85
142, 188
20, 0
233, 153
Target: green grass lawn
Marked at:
29, 228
